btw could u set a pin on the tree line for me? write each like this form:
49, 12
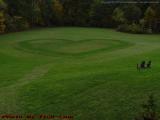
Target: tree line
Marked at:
17, 15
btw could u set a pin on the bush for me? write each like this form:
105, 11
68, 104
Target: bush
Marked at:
133, 28
16, 23
123, 28
2, 24
2, 18
149, 110
148, 30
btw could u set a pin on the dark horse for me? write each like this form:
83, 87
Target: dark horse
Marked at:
143, 65
149, 64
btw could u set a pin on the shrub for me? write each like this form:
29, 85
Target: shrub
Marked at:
149, 110
123, 28
16, 23
135, 28
2, 16
2, 20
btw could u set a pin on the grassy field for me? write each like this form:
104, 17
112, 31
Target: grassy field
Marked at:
88, 73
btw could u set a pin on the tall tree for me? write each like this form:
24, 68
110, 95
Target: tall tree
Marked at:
47, 12
132, 13
149, 18
77, 11
36, 13
156, 26
58, 12
101, 14
2, 17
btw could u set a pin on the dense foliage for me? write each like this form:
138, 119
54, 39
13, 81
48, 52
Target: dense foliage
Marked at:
2, 17
18, 15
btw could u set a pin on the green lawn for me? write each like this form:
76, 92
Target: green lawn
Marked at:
88, 73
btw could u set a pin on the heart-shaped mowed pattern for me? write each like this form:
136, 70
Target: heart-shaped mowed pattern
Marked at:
71, 47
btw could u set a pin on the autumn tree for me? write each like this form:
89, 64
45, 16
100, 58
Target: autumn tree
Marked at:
149, 18
58, 11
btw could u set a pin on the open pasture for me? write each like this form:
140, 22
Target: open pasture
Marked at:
89, 73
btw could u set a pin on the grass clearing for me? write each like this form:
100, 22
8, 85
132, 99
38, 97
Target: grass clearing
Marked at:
89, 73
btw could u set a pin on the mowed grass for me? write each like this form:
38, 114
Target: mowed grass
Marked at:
88, 73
